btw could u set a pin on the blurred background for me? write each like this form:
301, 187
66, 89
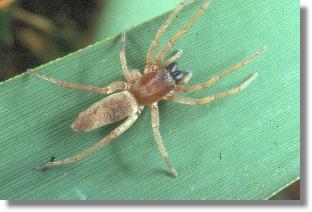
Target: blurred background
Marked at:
34, 32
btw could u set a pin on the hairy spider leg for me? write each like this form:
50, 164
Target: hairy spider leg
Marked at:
208, 99
123, 61
118, 85
161, 147
181, 32
216, 78
132, 76
114, 134
173, 58
160, 32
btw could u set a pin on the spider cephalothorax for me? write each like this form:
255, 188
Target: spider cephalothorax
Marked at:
154, 85
161, 81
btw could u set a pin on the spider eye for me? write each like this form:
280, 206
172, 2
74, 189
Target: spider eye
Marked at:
172, 68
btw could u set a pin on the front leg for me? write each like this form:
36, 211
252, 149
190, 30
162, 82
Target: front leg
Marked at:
181, 32
207, 99
216, 78
160, 32
173, 58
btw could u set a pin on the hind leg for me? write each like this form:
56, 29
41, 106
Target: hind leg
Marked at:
114, 134
118, 85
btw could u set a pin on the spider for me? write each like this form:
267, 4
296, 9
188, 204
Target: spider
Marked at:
161, 80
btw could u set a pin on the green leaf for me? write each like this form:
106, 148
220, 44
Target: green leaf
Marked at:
118, 16
241, 147
6, 22
5, 27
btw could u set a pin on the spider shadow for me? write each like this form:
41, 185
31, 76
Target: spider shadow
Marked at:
115, 148
161, 172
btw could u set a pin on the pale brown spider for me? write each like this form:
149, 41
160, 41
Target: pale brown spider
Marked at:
160, 81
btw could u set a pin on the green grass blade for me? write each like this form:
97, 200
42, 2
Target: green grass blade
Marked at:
117, 15
241, 147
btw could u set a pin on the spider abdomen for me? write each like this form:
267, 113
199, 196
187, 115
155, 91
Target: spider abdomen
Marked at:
113, 108
152, 87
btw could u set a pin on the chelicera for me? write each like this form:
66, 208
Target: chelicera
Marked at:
161, 80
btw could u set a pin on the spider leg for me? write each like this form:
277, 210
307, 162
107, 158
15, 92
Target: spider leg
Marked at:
114, 134
173, 58
181, 32
160, 32
129, 76
161, 147
118, 85
216, 78
208, 99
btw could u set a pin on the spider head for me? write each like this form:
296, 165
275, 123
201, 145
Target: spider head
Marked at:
180, 77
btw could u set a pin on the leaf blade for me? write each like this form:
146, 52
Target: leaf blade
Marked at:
256, 132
